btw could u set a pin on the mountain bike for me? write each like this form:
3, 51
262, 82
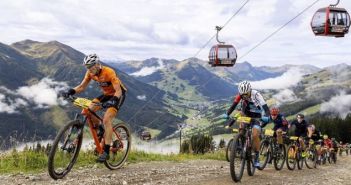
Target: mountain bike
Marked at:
230, 145
294, 154
311, 154
242, 151
271, 150
332, 156
67, 144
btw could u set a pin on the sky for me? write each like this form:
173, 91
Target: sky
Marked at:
141, 29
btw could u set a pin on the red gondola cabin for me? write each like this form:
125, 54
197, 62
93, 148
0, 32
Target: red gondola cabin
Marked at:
222, 55
331, 21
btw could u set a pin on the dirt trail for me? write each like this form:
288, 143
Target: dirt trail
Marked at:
204, 172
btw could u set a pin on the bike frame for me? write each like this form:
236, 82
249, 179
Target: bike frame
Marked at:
87, 114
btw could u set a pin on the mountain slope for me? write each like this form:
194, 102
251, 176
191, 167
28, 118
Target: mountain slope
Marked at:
26, 62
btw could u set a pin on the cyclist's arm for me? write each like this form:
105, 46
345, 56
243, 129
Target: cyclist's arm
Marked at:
84, 84
116, 83
285, 122
260, 100
235, 103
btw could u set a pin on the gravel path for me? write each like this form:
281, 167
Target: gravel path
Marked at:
204, 172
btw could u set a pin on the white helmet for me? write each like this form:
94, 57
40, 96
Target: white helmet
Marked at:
91, 60
244, 87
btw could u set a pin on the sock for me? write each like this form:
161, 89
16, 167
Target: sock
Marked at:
257, 154
107, 149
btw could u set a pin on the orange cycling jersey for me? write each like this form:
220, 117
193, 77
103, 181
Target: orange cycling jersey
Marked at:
106, 79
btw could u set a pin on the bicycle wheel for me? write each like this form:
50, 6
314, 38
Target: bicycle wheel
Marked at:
228, 150
265, 154
299, 160
65, 149
280, 156
333, 156
120, 146
329, 157
250, 165
291, 157
237, 158
311, 158
324, 159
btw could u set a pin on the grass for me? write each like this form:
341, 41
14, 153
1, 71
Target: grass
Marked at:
308, 111
36, 161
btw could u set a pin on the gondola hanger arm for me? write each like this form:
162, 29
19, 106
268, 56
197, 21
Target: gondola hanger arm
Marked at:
336, 4
218, 28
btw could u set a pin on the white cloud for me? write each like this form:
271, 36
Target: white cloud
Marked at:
9, 106
339, 104
43, 95
286, 80
141, 97
285, 96
145, 71
143, 29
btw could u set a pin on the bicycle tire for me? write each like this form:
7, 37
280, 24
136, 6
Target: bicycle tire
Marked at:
51, 169
120, 163
291, 162
236, 176
278, 166
228, 150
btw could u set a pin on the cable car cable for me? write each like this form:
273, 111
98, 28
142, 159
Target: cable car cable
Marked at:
225, 24
276, 31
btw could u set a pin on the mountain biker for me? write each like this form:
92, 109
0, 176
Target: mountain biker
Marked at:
327, 143
335, 144
112, 98
300, 130
252, 104
280, 124
316, 135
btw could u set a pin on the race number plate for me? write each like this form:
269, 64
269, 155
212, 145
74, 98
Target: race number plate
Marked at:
269, 132
82, 102
243, 119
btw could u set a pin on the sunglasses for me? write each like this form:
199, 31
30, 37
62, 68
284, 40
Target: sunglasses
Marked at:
245, 95
89, 66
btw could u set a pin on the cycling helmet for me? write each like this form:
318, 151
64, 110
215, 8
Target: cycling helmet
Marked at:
325, 136
91, 60
244, 87
300, 115
275, 111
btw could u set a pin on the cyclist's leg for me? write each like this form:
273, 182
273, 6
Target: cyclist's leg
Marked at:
95, 108
110, 114
302, 143
256, 130
279, 133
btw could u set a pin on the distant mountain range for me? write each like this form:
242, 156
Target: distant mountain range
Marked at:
182, 90
27, 62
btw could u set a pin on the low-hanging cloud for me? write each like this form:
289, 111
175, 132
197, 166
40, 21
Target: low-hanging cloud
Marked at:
286, 80
142, 97
339, 104
285, 96
41, 95
44, 93
9, 106
145, 71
